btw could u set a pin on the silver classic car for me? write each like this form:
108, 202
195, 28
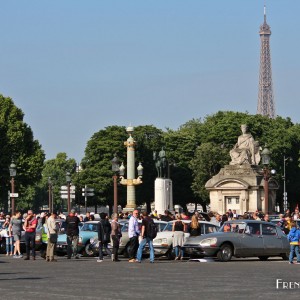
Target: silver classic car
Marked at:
241, 238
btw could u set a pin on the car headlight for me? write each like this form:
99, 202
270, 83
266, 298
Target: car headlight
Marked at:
210, 242
80, 240
92, 240
157, 241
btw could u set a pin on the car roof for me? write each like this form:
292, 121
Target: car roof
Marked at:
91, 222
189, 221
247, 221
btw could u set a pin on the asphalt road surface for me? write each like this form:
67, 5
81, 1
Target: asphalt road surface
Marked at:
86, 279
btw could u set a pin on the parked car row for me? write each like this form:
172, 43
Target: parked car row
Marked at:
238, 238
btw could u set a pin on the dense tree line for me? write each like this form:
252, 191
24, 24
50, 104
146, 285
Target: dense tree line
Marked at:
196, 151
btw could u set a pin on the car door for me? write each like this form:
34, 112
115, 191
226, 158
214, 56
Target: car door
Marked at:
272, 240
251, 240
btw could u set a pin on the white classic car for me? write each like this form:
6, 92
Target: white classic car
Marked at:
163, 243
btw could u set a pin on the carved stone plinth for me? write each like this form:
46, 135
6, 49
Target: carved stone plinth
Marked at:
240, 187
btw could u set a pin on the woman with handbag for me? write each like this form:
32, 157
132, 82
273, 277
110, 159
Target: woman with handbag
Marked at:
52, 237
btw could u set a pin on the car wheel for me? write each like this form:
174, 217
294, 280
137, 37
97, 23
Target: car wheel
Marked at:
285, 256
2, 246
126, 252
263, 258
225, 253
88, 251
170, 255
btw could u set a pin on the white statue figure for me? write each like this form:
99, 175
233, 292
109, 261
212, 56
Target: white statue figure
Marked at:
246, 150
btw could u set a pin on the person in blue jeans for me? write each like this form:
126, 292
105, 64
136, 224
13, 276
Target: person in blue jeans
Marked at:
8, 237
294, 238
146, 239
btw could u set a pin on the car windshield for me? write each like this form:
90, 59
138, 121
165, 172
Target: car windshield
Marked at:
89, 227
233, 227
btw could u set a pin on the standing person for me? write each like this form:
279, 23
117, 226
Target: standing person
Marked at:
15, 229
194, 228
104, 231
72, 223
294, 238
147, 236
266, 218
30, 228
52, 237
178, 237
87, 217
115, 236
133, 234
8, 236
296, 214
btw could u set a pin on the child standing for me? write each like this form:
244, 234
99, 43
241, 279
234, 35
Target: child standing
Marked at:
294, 237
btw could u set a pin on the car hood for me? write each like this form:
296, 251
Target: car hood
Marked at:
197, 239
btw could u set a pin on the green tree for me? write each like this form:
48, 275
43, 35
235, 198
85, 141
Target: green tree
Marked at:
96, 164
207, 162
56, 169
148, 139
17, 143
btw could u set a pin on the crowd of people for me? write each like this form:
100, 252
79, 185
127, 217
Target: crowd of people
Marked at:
139, 235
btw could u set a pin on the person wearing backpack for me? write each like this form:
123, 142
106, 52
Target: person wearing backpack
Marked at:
148, 233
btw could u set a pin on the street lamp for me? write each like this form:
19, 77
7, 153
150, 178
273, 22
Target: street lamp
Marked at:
285, 203
265, 158
68, 180
50, 195
13, 173
131, 181
115, 167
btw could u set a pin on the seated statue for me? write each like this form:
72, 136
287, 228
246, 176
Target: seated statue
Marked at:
246, 150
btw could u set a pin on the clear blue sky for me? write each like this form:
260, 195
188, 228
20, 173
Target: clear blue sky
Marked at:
77, 66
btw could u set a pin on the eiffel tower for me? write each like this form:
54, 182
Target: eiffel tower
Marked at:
265, 105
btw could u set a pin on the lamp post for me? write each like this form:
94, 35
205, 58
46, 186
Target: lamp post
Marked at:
115, 167
50, 195
265, 158
68, 180
13, 173
285, 203
131, 181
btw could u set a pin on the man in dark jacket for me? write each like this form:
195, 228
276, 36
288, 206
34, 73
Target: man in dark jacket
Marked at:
72, 223
104, 231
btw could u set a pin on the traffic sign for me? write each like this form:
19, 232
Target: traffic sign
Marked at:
64, 196
14, 195
66, 192
88, 194
65, 188
87, 189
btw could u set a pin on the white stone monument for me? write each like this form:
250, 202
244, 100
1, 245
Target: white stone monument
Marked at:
163, 191
163, 195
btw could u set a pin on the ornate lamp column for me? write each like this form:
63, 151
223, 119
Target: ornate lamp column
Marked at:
68, 180
116, 169
265, 156
13, 173
50, 195
131, 181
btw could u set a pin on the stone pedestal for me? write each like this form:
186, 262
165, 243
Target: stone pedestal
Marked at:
163, 195
240, 187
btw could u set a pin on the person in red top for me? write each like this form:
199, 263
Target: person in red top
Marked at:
30, 228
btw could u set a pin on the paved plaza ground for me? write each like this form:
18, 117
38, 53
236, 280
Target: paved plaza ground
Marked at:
87, 279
